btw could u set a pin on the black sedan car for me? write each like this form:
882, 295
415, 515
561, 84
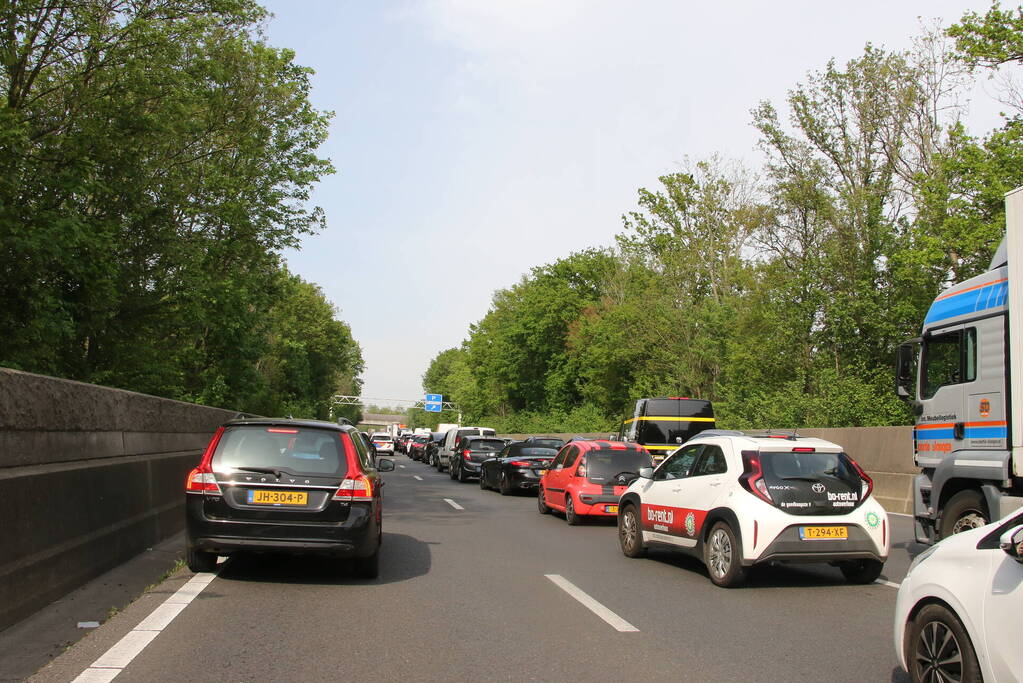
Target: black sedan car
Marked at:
285, 486
518, 467
470, 451
417, 447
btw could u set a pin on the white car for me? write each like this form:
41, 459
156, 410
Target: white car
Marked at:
735, 500
958, 611
383, 443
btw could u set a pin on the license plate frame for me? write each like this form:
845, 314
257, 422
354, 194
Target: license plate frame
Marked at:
272, 498
824, 533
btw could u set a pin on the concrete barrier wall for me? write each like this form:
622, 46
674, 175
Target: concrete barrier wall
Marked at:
89, 477
886, 453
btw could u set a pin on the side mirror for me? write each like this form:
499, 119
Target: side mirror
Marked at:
1011, 543
646, 473
385, 465
904, 358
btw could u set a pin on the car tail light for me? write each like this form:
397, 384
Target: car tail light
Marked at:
358, 487
280, 430
520, 463
868, 484
202, 480
466, 453
752, 477
804, 449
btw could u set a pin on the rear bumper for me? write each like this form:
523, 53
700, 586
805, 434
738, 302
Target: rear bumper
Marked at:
789, 547
597, 509
358, 536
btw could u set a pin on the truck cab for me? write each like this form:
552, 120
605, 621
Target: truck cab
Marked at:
662, 424
957, 377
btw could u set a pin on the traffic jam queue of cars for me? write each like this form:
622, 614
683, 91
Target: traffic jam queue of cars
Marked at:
732, 500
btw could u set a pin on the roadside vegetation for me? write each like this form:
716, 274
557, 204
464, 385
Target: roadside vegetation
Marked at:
155, 158
778, 292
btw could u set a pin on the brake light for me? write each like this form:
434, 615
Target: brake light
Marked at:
868, 484
520, 463
752, 477
202, 480
279, 430
358, 487
803, 449
466, 453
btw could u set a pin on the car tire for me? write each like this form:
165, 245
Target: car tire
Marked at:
630, 536
367, 567
541, 502
861, 571
964, 511
570, 516
934, 635
451, 472
723, 556
461, 475
200, 560
483, 480
504, 487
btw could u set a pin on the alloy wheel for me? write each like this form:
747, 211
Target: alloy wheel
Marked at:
720, 553
938, 656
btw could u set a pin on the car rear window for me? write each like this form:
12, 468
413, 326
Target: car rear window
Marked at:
814, 466
296, 450
381, 438
547, 443
605, 464
534, 450
493, 445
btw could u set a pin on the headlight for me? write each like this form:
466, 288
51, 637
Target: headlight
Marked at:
920, 558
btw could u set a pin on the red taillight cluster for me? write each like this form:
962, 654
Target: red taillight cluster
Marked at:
466, 453
752, 477
201, 479
520, 463
868, 483
358, 487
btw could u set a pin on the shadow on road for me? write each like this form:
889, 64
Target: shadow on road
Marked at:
401, 558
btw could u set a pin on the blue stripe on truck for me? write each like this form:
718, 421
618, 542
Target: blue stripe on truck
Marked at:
972, 301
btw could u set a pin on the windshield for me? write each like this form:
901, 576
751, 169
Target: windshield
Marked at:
295, 450
490, 445
668, 431
420, 439
604, 465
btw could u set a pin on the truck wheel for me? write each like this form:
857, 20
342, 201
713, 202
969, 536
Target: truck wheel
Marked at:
964, 511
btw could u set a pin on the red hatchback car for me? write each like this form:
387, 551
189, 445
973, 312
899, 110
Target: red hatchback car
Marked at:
588, 477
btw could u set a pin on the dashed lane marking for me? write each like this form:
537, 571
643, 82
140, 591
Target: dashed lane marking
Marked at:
615, 621
416, 476
890, 584
453, 504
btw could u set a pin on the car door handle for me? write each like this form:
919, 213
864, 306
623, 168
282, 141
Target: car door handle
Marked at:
676, 490
714, 483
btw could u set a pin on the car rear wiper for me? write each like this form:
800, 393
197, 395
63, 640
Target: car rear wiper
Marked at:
261, 470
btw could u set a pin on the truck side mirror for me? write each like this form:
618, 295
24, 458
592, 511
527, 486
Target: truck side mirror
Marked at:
904, 357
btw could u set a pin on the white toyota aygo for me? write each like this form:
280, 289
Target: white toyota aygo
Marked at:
735, 500
958, 612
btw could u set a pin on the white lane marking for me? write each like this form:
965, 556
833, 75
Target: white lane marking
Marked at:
401, 466
890, 584
615, 621
453, 504
120, 655
416, 476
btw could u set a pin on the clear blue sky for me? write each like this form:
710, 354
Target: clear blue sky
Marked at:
477, 139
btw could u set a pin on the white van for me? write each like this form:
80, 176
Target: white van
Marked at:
440, 461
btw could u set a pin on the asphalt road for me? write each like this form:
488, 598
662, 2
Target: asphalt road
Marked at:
464, 594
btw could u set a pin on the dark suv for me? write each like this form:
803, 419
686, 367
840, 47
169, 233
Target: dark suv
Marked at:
285, 486
469, 452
